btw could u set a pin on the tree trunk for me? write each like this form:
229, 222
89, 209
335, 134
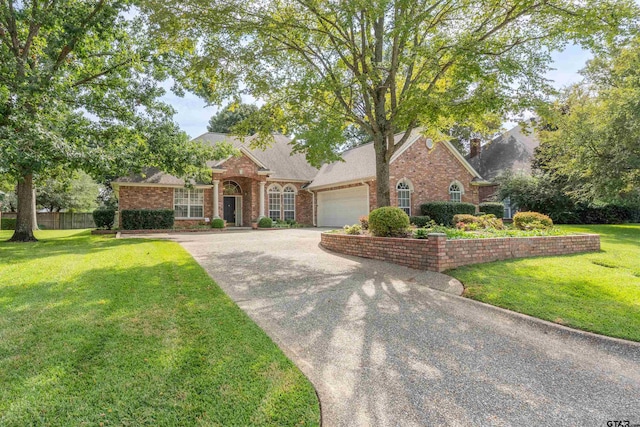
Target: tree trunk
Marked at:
382, 171
26, 211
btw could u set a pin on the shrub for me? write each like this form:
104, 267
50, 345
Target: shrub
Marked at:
465, 219
472, 222
364, 222
104, 218
531, 221
420, 221
443, 212
353, 229
147, 219
217, 223
8, 224
421, 233
265, 222
388, 221
495, 208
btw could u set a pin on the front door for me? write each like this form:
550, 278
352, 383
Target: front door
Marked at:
230, 210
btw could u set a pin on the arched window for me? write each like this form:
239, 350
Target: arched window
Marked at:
289, 203
404, 196
275, 195
455, 192
231, 188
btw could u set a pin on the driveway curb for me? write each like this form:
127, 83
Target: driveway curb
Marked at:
555, 327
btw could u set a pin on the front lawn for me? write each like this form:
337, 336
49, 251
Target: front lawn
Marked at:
598, 292
99, 331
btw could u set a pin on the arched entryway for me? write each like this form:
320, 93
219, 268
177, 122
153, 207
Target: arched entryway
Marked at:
232, 203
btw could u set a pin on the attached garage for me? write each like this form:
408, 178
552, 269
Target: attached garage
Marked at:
337, 208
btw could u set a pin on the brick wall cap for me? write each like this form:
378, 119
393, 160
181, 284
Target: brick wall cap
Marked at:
437, 234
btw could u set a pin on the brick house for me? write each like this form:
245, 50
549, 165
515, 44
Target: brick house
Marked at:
511, 151
280, 184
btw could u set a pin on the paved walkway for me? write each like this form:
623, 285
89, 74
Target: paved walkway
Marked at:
382, 348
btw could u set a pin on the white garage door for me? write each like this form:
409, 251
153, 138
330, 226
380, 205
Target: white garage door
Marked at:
338, 208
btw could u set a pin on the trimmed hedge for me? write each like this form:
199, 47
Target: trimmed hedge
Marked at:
8, 224
388, 221
442, 212
495, 208
420, 221
104, 218
147, 219
607, 214
217, 223
265, 222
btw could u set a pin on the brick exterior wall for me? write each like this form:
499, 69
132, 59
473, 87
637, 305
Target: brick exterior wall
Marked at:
138, 197
487, 193
431, 172
439, 254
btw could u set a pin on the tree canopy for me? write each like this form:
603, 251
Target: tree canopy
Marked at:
78, 90
591, 140
230, 116
75, 191
386, 66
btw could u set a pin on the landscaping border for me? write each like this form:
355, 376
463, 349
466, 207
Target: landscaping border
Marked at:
436, 253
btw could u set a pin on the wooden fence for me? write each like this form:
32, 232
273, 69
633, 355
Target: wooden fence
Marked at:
61, 220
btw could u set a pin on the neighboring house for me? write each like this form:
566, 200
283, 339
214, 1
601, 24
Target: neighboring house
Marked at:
277, 183
512, 151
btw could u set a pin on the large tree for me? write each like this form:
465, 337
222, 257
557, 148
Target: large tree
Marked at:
230, 116
386, 66
78, 91
591, 141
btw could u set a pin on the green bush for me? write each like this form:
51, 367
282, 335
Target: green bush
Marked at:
492, 208
217, 223
443, 212
147, 219
388, 221
420, 221
265, 222
531, 221
104, 218
8, 224
473, 222
354, 229
421, 233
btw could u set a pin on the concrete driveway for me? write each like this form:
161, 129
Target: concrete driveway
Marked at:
382, 348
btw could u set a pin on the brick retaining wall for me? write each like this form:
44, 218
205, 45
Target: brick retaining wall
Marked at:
438, 254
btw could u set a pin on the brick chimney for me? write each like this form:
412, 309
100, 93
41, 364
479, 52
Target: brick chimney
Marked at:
474, 148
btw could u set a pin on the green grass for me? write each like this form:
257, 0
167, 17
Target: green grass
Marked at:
598, 292
99, 331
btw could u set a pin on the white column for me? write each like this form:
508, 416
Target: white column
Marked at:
215, 198
262, 183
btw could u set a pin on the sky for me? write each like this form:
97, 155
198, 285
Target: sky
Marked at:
192, 114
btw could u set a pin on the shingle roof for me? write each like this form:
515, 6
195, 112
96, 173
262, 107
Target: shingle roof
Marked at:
513, 150
277, 158
152, 176
359, 164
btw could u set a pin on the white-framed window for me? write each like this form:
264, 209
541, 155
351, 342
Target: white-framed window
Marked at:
275, 199
404, 196
231, 188
289, 203
508, 211
455, 192
188, 202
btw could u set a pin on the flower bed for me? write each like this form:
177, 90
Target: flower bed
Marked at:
438, 252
